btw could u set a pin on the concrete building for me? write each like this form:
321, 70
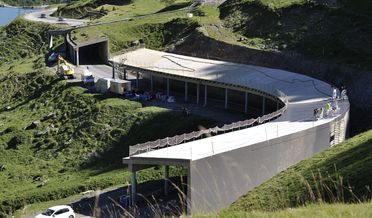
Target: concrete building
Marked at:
222, 168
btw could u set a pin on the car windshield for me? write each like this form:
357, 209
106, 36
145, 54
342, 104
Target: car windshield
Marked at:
48, 212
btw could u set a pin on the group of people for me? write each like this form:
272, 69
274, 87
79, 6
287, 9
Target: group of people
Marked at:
342, 95
330, 107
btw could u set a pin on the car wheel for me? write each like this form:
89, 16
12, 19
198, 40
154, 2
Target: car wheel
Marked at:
71, 216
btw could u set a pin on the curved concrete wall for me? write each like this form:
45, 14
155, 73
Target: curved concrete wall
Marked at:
217, 181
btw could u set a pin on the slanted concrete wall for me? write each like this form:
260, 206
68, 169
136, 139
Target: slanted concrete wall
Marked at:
219, 180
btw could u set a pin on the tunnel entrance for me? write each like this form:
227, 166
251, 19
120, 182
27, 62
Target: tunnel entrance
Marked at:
93, 52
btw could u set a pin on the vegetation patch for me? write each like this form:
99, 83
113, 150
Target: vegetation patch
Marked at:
153, 33
337, 33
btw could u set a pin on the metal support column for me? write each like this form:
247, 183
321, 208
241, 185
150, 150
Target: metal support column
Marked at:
246, 103
205, 95
113, 70
152, 83
77, 57
50, 42
186, 95
197, 93
226, 97
167, 86
166, 180
125, 73
263, 105
137, 79
133, 187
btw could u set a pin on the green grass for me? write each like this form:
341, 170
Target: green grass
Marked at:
156, 32
311, 211
22, 40
85, 131
338, 35
117, 11
29, 2
340, 174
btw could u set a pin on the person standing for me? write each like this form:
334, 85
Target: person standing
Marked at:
334, 94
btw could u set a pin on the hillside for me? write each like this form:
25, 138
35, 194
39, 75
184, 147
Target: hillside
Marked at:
58, 139
341, 174
30, 2
113, 9
338, 32
311, 211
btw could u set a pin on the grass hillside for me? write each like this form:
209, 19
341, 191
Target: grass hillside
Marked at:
56, 138
317, 29
22, 40
117, 9
341, 174
155, 33
311, 211
30, 2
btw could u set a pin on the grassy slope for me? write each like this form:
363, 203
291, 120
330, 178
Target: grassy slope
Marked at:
84, 131
340, 174
156, 32
29, 2
115, 9
338, 34
311, 211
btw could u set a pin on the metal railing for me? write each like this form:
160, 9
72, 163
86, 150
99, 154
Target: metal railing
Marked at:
186, 137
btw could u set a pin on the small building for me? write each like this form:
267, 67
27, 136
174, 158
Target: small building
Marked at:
103, 85
120, 86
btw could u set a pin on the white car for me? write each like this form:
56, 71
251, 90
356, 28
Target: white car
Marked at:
60, 211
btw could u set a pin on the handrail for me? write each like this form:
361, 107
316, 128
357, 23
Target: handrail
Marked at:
179, 139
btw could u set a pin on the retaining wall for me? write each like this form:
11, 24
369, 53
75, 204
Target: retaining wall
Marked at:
219, 180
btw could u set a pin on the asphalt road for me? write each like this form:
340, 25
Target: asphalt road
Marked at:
36, 16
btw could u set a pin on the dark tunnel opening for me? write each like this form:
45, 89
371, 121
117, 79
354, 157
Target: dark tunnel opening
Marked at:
92, 54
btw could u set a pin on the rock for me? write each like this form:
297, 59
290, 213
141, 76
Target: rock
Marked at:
33, 125
2, 167
49, 116
41, 133
135, 43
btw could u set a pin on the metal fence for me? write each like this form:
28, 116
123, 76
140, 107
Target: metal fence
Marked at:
186, 137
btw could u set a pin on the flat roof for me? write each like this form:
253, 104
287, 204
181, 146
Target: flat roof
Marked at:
303, 93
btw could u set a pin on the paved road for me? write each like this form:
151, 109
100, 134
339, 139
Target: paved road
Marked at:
36, 16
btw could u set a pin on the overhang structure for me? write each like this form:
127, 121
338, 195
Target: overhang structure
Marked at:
224, 167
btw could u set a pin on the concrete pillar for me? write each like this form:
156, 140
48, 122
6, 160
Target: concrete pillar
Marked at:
186, 95
226, 97
137, 79
133, 187
113, 70
151, 83
197, 93
77, 57
263, 105
166, 180
205, 95
50, 42
246, 103
125, 73
167, 86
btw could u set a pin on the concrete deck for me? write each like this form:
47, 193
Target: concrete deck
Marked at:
303, 94
280, 143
